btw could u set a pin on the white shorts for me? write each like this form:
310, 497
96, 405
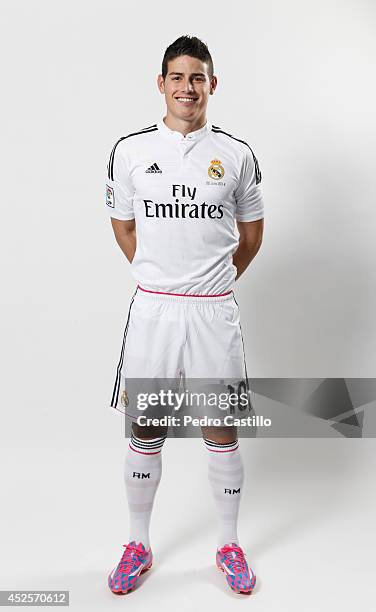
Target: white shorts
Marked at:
181, 341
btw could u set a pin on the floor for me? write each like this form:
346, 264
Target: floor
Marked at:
306, 524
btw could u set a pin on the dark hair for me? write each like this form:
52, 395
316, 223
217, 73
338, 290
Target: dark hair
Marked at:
187, 45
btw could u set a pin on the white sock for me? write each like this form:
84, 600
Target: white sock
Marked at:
143, 469
226, 477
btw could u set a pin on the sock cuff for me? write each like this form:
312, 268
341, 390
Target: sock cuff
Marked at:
146, 447
216, 447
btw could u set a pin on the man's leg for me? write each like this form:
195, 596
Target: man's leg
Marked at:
142, 473
226, 477
143, 467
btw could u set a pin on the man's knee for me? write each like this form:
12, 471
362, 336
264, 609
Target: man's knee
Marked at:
222, 434
148, 432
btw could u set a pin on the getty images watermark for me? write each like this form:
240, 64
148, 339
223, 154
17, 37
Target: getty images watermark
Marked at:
189, 399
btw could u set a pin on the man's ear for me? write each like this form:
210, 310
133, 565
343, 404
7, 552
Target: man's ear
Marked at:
160, 83
213, 84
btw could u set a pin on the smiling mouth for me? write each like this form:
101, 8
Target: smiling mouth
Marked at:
185, 99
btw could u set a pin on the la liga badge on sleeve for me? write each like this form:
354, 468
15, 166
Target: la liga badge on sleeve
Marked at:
110, 197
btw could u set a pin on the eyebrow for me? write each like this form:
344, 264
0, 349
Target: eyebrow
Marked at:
193, 73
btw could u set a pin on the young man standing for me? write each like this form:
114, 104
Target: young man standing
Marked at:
175, 191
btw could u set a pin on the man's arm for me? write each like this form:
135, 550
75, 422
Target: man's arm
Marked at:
250, 239
125, 234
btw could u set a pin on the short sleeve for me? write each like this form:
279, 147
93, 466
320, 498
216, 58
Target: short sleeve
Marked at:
248, 195
119, 187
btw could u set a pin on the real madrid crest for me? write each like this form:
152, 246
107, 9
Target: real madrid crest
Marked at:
124, 398
216, 170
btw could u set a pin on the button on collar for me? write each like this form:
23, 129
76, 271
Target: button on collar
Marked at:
195, 135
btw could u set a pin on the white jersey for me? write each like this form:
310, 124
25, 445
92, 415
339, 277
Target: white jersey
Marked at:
185, 194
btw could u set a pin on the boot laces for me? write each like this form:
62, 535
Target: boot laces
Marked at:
235, 557
131, 554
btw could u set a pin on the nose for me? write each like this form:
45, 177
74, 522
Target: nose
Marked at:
188, 86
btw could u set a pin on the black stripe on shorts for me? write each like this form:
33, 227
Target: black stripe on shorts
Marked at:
115, 393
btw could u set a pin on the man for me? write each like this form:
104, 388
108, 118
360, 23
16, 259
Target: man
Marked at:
175, 191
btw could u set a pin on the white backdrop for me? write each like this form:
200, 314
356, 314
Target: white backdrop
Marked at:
296, 81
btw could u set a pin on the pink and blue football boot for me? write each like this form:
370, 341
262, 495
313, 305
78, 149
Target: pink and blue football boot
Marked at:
134, 562
231, 560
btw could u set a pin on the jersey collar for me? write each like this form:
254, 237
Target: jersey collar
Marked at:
196, 135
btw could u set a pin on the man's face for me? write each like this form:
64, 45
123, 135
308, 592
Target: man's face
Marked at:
187, 87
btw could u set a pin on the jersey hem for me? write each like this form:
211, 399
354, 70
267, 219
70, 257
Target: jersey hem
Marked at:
249, 218
121, 217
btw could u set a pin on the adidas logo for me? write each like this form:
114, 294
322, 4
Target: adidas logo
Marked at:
154, 169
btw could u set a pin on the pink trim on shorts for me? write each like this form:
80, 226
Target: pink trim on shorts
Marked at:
186, 294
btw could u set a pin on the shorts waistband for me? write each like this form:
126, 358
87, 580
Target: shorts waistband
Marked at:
187, 298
